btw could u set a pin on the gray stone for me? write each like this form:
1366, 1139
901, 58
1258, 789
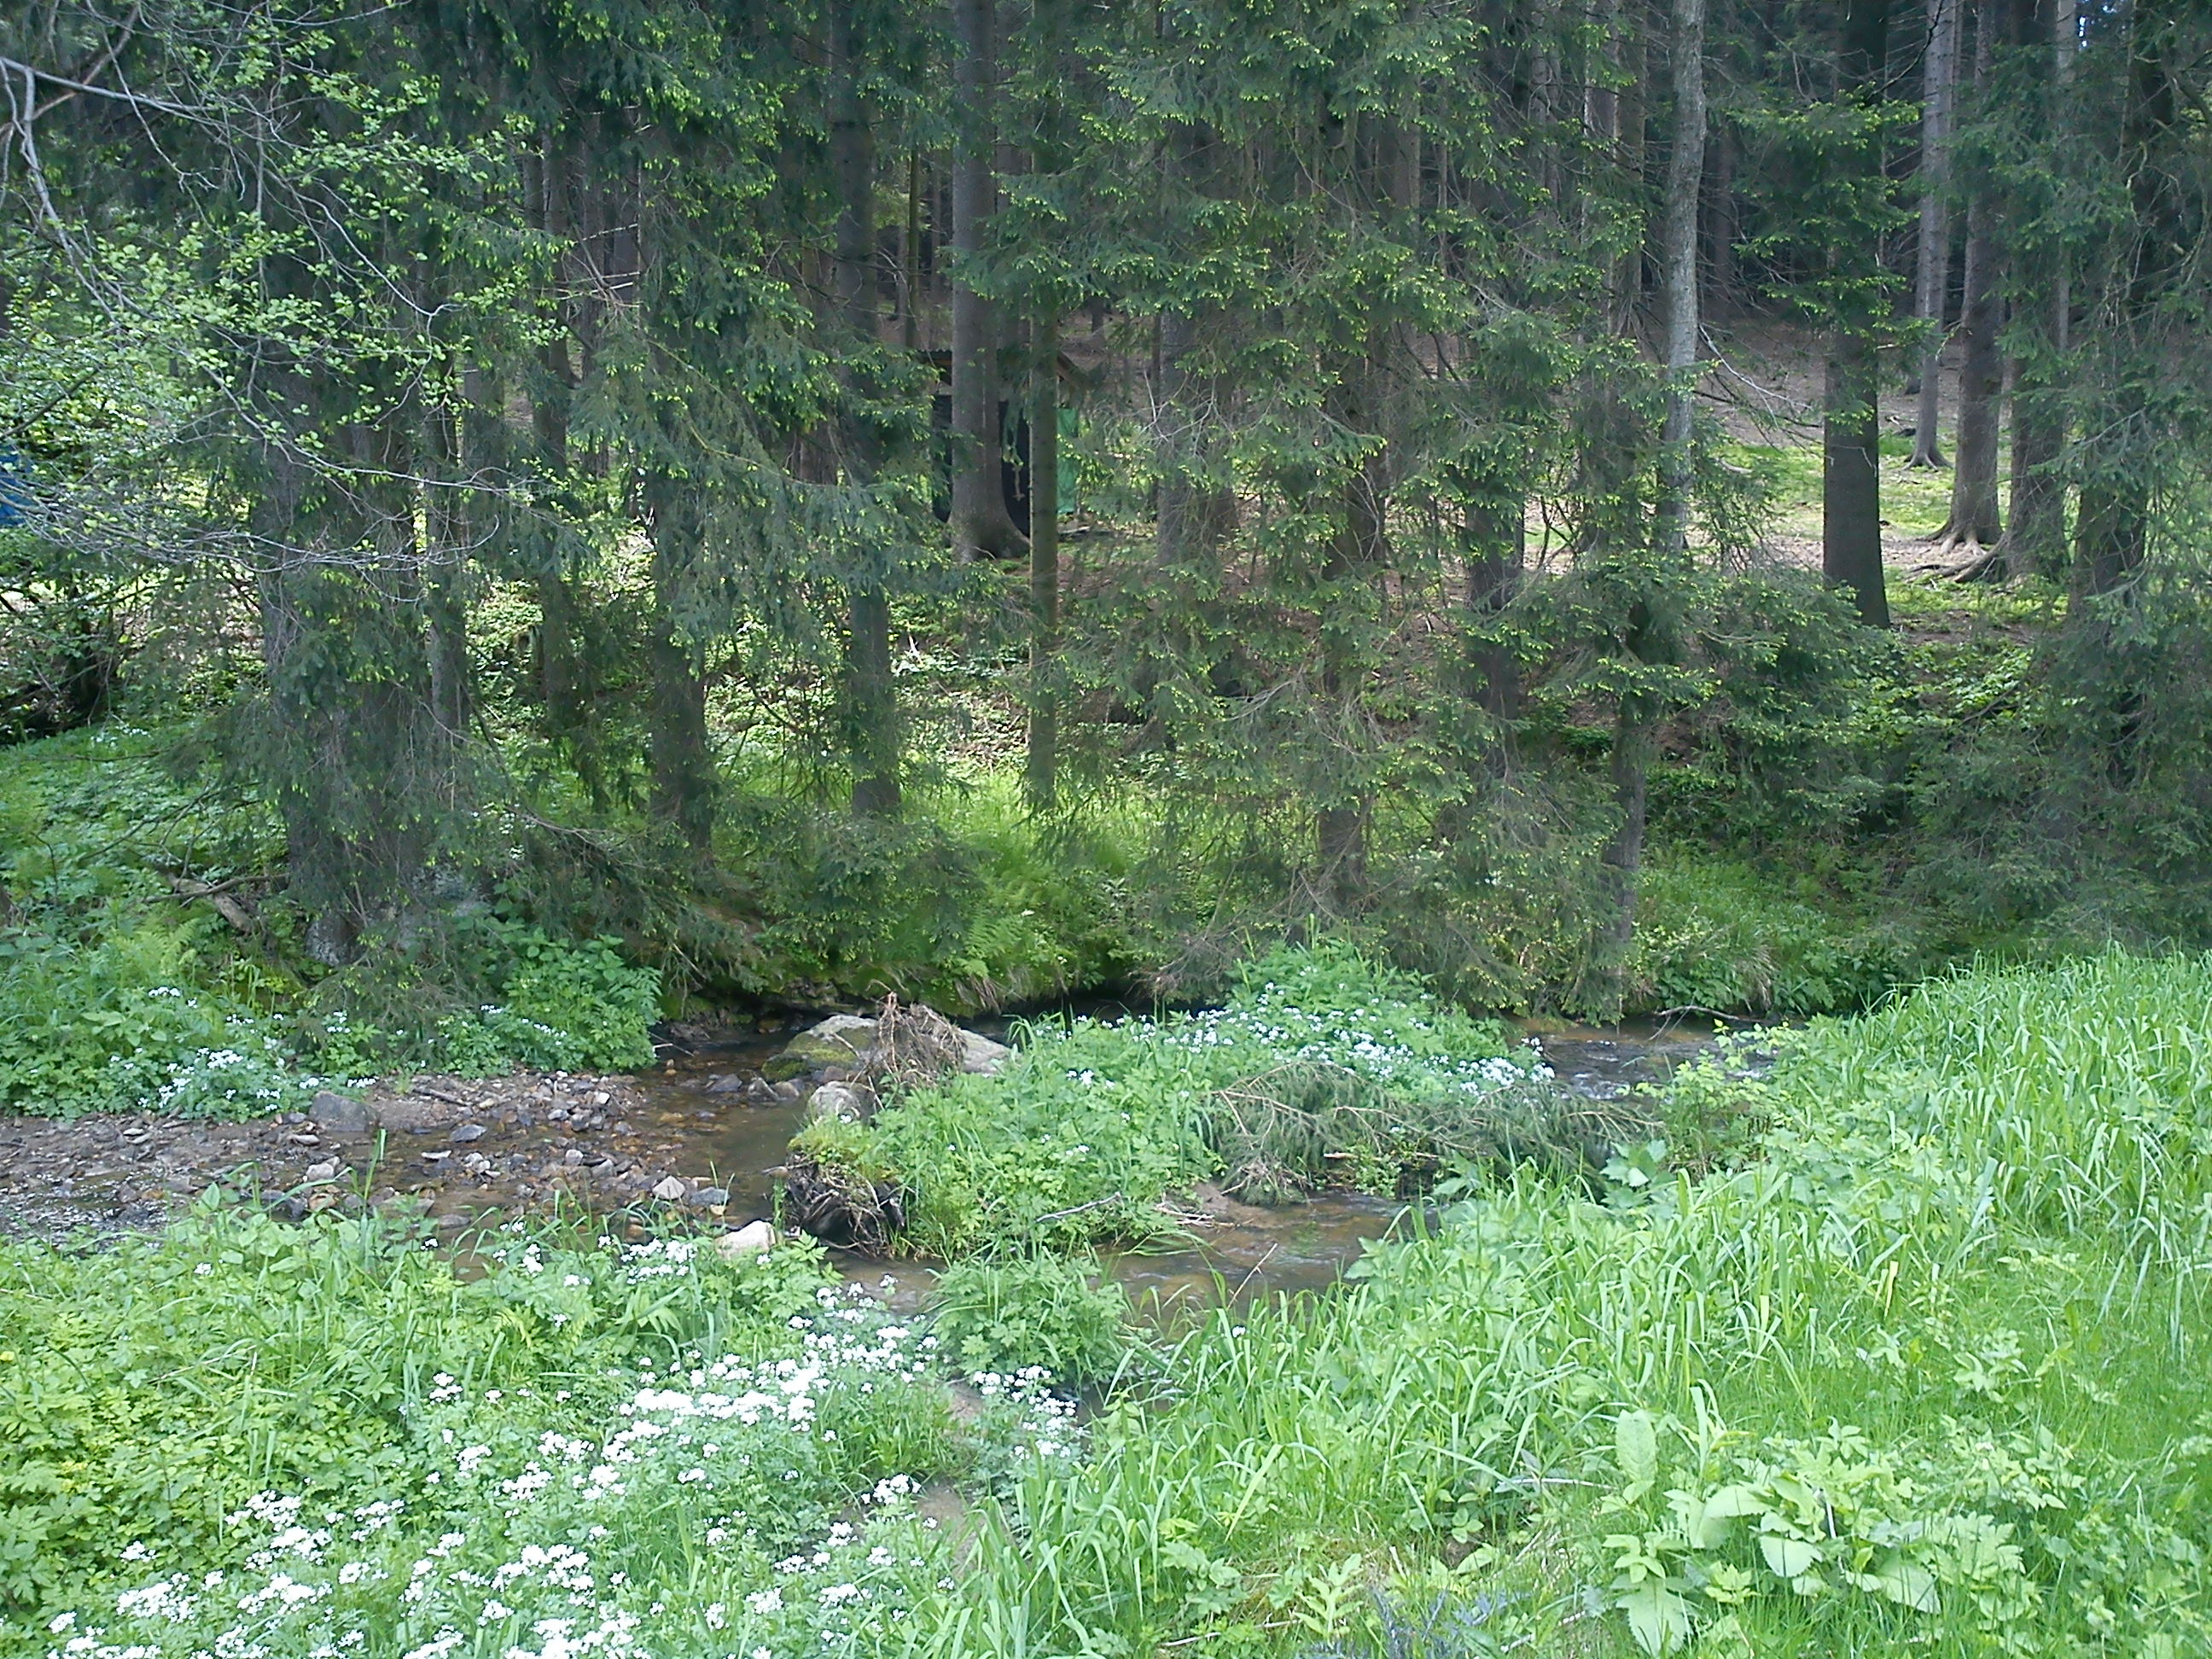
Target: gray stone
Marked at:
468, 1132
707, 1197
342, 1114
669, 1189
787, 1091
751, 1239
727, 1083
325, 1171
839, 1100
981, 1056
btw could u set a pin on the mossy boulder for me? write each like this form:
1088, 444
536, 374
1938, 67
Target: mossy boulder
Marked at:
841, 1040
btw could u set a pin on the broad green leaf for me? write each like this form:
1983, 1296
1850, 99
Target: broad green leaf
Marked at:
1658, 1618
1788, 1558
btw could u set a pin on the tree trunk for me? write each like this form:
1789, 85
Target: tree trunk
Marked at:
1636, 721
1850, 445
1191, 514
453, 701
910, 259
1851, 480
979, 522
1678, 276
2112, 532
318, 875
1974, 523
1724, 291
1633, 51
1496, 543
2035, 539
1042, 760
682, 765
1358, 552
1934, 273
871, 695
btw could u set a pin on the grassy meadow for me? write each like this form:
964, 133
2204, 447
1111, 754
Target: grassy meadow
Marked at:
1900, 1349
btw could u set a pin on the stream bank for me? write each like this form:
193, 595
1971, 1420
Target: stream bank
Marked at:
704, 1133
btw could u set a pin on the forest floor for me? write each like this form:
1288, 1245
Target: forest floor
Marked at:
1764, 387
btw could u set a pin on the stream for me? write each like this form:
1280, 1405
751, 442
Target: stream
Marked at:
1246, 1254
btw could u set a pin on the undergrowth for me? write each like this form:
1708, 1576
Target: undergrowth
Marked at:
1923, 1369
250, 1437
124, 987
1323, 1069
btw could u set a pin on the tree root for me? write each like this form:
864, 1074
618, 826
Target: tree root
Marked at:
841, 1208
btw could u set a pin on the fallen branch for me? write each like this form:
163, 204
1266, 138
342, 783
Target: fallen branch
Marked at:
219, 896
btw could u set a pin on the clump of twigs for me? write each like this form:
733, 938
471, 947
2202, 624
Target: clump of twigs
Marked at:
915, 1045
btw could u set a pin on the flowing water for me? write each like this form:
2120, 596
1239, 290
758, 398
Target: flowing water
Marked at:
1242, 1253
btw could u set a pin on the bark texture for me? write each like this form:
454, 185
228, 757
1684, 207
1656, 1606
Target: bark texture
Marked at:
1933, 277
980, 525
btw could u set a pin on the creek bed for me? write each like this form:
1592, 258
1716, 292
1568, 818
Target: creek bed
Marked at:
1236, 1254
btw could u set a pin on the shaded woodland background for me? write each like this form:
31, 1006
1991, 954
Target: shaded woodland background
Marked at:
1018, 499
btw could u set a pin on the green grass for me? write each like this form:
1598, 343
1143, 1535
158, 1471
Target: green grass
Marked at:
1929, 1375
1915, 501
1925, 1372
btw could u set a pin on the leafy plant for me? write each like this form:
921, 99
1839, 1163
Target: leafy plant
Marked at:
1057, 1315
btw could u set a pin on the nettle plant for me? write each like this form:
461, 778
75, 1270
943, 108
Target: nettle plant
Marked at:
1715, 1522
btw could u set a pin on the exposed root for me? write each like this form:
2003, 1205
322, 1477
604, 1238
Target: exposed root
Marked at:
1989, 564
841, 1208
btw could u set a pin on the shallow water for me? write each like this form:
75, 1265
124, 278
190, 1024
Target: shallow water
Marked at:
1245, 1255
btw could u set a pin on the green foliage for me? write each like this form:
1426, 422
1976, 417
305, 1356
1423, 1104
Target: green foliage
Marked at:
1720, 936
968, 904
119, 994
571, 1005
1927, 1371
1090, 1125
1045, 1314
357, 1405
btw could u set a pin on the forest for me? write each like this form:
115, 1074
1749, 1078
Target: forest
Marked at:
1357, 828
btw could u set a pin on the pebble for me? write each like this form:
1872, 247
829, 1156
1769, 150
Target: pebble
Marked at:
303, 1139
572, 1156
711, 1198
669, 1189
469, 1132
323, 1171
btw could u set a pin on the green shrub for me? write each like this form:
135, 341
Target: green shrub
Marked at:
1041, 1313
1713, 933
967, 902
